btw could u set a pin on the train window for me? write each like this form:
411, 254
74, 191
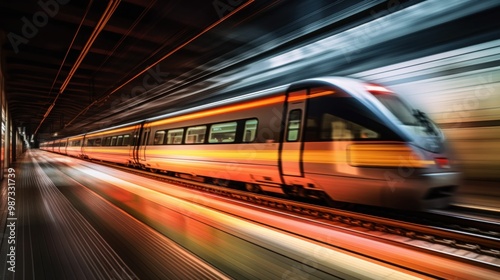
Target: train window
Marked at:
126, 140
159, 137
119, 140
94, 142
196, 134
174, 136
335, 128
134, 139
294, 119
250, 130
332, 117
113, 141
107, 142
222, 132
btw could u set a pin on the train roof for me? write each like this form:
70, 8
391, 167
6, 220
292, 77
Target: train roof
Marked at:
342, 82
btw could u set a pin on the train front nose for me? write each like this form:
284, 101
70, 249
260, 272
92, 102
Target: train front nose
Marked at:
432, 186
423, 191
441, 189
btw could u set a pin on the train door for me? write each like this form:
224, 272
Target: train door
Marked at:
135, 144
291, 150
146, 131
82, 147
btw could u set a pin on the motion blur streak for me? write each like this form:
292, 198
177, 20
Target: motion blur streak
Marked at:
395, 155
328, 55
461, 91
121, 129
458, 80
304, 96
319, 257
223, 110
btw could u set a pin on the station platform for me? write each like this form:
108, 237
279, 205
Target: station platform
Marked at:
57, 229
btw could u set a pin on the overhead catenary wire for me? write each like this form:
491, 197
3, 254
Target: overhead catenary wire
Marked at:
110, 9
161, 59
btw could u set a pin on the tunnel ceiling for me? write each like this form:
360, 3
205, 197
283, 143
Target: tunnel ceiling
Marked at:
77, 66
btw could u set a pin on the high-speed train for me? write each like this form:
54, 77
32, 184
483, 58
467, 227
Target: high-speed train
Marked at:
335, 138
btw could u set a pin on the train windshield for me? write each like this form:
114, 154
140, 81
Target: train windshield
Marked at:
426, 134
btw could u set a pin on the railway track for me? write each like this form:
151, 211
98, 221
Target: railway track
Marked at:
472, 240
447, 219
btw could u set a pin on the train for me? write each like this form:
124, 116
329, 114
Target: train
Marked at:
337, 139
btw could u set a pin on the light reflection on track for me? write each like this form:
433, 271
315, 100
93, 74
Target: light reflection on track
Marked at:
245, 248
239, 248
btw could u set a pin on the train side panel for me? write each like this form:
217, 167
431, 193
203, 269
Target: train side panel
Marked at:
252, 158
74, 147
57, 146
120, 155
114, 145
389, 174
254, 163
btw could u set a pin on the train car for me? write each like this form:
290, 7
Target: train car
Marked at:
335, 138
56, 146
116, 145
63, 145
47, 146
74, 146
